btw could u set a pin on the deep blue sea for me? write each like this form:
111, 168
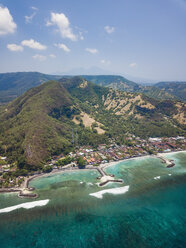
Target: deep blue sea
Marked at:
152, 213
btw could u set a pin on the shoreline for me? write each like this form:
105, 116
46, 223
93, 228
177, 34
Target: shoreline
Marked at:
103, 166
165, 153
25, 185
75, 169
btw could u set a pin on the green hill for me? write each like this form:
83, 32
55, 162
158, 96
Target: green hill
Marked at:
16, 83
27, 127
177, 89
13, 85
113, 81
123, 84
56, 116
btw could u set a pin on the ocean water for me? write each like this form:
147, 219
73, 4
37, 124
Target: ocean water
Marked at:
147, 210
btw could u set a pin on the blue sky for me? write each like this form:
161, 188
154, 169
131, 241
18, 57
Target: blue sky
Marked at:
141, 38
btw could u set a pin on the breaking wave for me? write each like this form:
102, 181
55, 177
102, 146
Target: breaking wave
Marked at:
114, 191
158, 177
26, 205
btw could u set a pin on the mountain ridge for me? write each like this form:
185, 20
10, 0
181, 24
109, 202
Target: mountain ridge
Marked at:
177, 88
41, 122
14, 84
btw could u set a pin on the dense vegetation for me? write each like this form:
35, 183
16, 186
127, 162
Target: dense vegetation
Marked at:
111, 80
28, 132
16, 83
123, 84
177, 89
40, 123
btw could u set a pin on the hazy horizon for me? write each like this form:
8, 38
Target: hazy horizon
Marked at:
144, 40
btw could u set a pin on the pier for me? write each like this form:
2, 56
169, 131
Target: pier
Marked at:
27, 195
26, 192
22, 193
105, 178
168, 162
101, 171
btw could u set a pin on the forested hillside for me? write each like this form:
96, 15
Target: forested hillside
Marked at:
123, 84
16, 83
178, 89
55, 117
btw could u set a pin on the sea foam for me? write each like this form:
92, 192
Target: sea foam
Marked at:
114, 191
26, 205
158, 177
90, 184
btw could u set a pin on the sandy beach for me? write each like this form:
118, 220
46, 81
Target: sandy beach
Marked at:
165, 153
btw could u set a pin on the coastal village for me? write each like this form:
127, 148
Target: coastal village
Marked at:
135, 147
87, 157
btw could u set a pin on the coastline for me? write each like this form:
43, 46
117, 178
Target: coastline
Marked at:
75, 169
24, 190
106, 165
171, 152
102, 166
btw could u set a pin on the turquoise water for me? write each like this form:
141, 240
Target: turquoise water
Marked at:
150, 214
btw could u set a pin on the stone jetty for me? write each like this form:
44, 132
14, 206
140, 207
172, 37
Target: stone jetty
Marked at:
105, 178
26, 192
168, 162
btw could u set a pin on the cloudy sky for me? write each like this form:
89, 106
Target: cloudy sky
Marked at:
141, 38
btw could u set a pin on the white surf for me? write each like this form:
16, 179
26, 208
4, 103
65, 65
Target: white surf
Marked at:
158, 177
114, 191
26, 205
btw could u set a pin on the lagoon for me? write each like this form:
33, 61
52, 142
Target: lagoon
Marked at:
149, 211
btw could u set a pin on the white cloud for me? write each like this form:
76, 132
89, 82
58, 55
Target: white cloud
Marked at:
109, 29
133, 64
63, 46
33, 44
15, 48
81, 36
105, 62
39, 57
28, 19
92, 50
7, 24
34, 8
63, 24
53, 56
